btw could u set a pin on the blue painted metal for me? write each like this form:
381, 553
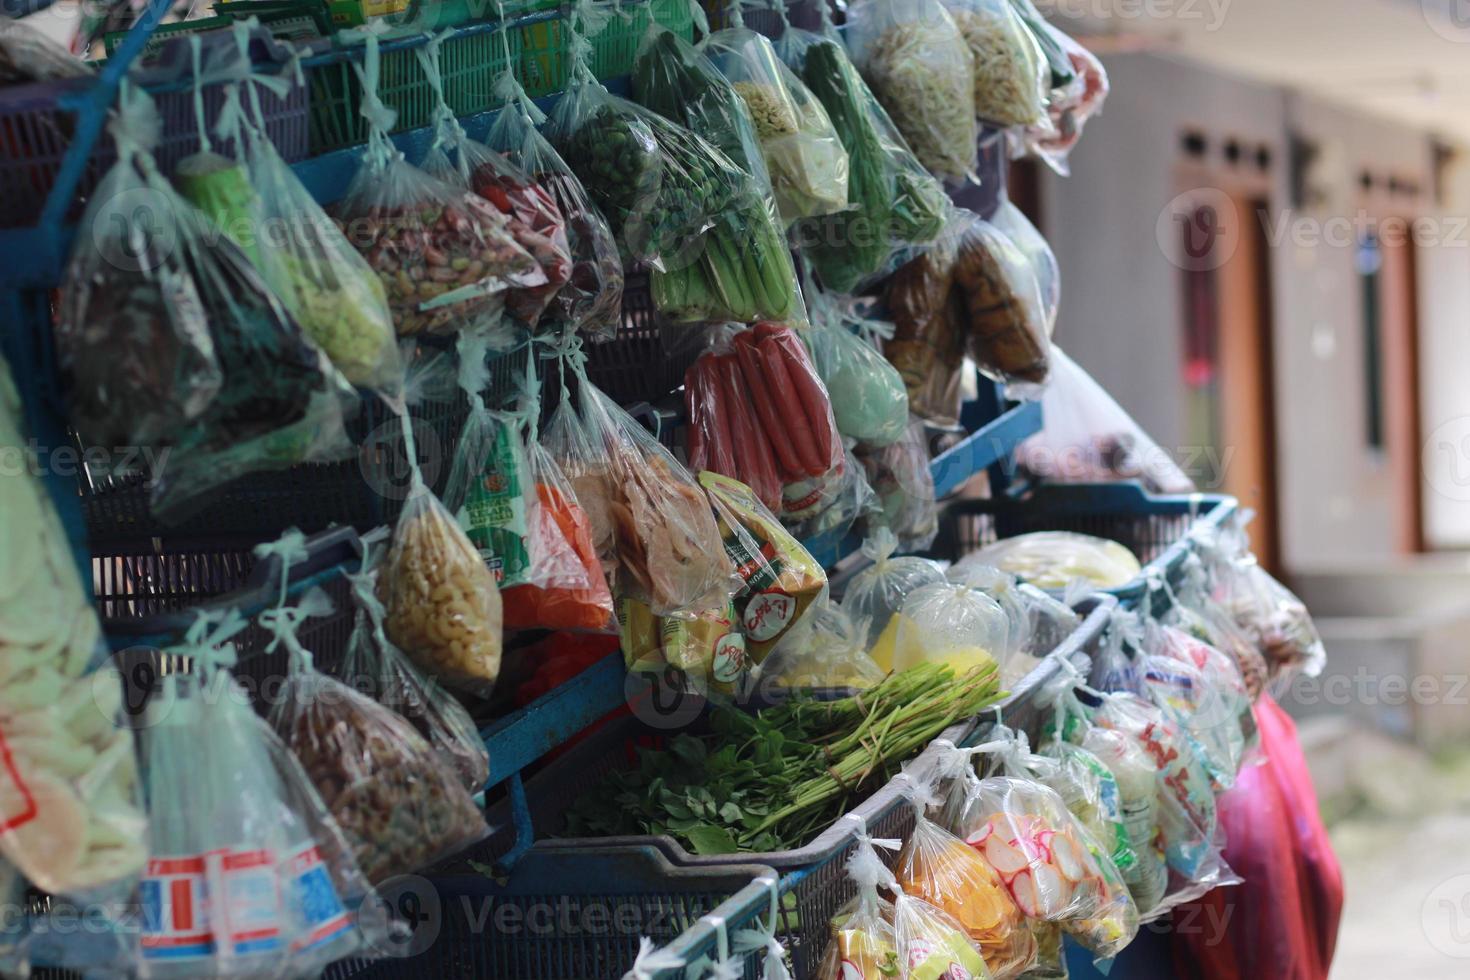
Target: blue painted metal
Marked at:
519, 739
986, 446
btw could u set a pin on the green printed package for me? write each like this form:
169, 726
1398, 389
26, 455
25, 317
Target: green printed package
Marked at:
493, 514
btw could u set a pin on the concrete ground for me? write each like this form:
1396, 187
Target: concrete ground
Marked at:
1404, 844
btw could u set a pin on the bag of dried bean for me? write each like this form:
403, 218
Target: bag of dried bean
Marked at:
447, 256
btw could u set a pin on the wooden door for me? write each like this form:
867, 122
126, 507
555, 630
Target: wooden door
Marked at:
1399, 344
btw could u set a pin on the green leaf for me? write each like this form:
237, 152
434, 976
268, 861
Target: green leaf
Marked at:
709, 839
730, 813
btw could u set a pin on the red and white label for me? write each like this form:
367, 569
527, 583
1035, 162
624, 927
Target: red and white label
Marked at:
767, 615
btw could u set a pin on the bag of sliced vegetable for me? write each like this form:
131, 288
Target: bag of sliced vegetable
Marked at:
893, 200
591, 300
534, 220
399, 804
759, 412
862, 939
920, 67
942, 869
646, 510
803, 155
446, 256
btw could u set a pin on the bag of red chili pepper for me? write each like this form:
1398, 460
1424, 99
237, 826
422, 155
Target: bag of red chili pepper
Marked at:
592, 301
758, 412
445, 256
535, 221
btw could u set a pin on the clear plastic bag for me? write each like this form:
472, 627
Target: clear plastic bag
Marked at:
373, 666
950, 624
894, 200
1059, 66
824, 649
1071, 105
1272, 615
1004, 590
902, 477
876, 593
1088, 438
781, 581
30, 55
921, 69
834, 506
660, 185
1137, 780
931, 327
591, 300
446, 256
1009, 220
443, 605
869, 401
933, 943
804, 157
862, 941
250, 875
757, 406
1008, 325
1202, 688
399, 805
1059, 559
662, 530
1011, 77
705, 647
1195, 611
942, 870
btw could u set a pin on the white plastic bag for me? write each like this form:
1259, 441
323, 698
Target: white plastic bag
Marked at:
1086, 437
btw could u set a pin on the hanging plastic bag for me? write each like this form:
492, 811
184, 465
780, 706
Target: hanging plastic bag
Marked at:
942, 870
531, 215
660, 185
1194, 610
1289, 906
1272, 616
781, 580
1002, 588
1071, 104
1058, 559
659, 524
591, 300
31, 55
930, 328
869, 401
893, 199
787, 419
400, 807
833, 507
876, 593
250, 875
704, 647
1088, 438
443, 604
804, 157
373, 666
948, 624
1009, 220
921, 69
1011, 76
445, 255
1059, 66
743, 270
902, 477
1008, 322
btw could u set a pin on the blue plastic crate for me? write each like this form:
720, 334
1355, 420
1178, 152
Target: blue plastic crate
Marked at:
1154, 527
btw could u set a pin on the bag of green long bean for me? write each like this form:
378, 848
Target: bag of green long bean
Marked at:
894, 200
534, 220
660, 185
743, 272
445, 255
805, 159
591, 301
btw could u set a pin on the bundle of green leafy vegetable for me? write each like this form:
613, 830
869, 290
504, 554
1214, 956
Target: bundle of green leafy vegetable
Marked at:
773, 780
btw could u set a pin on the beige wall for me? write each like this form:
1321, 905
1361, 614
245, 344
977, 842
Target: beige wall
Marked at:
1121, 315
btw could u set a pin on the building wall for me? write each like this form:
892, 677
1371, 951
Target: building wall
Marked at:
1121, 309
